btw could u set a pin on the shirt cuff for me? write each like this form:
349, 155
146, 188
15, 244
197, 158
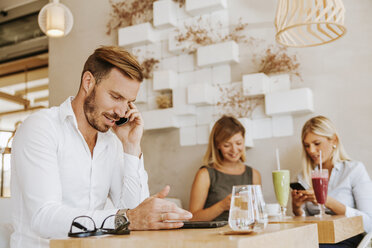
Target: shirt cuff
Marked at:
350, 212
133, 165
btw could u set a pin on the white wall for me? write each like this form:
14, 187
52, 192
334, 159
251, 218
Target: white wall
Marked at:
338, 73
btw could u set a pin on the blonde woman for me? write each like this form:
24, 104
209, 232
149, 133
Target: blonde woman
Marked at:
349, 185
223, 167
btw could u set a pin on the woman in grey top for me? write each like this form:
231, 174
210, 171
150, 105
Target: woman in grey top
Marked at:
349, 185
223, 167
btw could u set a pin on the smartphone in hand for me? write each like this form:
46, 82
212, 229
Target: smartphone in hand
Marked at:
122, 121
297, 186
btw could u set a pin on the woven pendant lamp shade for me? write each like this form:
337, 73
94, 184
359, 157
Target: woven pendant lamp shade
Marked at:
305, 23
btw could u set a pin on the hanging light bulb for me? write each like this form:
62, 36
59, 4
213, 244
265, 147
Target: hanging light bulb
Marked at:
55, 19
305, 23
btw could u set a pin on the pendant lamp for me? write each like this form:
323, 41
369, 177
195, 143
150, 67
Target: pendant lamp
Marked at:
55, 19
306, 23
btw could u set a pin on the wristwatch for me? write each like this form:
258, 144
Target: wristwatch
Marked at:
121, 218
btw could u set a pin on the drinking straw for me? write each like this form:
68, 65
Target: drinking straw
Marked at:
277, 158
320, 161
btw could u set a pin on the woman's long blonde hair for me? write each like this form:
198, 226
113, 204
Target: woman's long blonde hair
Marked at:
223, 129
321, 126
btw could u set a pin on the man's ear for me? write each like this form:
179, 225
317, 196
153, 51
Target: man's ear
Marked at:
87, 82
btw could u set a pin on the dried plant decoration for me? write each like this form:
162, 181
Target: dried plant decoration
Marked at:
181, 3
202, 33
233, 102
164, 100
129, 12
148, 66
276, 60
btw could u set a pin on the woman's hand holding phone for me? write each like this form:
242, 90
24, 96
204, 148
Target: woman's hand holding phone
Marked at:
131, 132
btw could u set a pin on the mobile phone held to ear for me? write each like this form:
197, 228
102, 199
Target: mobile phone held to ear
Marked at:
122, 121
297, 186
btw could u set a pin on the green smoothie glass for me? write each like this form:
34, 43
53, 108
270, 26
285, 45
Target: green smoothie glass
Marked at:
281, 187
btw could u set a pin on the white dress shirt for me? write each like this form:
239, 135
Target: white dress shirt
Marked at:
351, 185
56, 178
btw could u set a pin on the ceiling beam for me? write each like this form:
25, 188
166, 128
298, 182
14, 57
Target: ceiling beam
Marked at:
41, 99
16, 99
20, 110
33, 89
21, 65
18, 78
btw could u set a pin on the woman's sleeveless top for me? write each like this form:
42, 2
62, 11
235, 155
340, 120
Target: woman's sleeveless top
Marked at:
221, 185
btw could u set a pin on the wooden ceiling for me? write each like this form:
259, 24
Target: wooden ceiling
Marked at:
30, 63
20, 71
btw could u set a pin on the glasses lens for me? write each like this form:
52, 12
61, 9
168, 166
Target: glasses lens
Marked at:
109, 223
115, 224
82, 226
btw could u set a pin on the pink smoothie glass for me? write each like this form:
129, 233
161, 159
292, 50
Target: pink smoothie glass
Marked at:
320, 186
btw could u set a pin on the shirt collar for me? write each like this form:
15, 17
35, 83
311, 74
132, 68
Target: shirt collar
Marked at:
66, 112
66, 108
338, 165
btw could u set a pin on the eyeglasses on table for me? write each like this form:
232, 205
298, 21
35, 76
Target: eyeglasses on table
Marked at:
78, 227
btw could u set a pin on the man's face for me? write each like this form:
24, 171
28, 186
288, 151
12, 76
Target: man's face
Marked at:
108, 101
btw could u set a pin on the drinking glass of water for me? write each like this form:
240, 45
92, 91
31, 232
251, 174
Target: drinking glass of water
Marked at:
247, 209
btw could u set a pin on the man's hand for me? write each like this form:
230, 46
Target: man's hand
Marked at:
130, 133
156, 213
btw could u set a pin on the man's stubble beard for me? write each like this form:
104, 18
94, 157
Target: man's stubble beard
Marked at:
91, 112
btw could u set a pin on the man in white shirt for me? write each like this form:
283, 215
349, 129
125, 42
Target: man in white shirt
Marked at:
66, 162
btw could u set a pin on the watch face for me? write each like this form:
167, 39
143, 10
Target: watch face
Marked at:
120, 220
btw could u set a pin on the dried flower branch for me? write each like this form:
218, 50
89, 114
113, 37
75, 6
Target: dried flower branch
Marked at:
148, 66
202, 33
276, 60
233, 102
164, 100
181, 3
129, 12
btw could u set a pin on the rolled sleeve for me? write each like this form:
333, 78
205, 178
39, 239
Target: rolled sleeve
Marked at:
129, 185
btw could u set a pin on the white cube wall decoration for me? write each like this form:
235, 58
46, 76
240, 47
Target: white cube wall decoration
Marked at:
202, 134
188, 136
297, 101
164, 80
255, 84
204, 115
186, 78
170, 63
165, 14
186, 120
136, 35
280, 82
203, 76
282, 125
142, 93
197, 7
221, 74
262, 128
179, 100
248, 126
200, 94
225, 52
186, 62
160, 118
